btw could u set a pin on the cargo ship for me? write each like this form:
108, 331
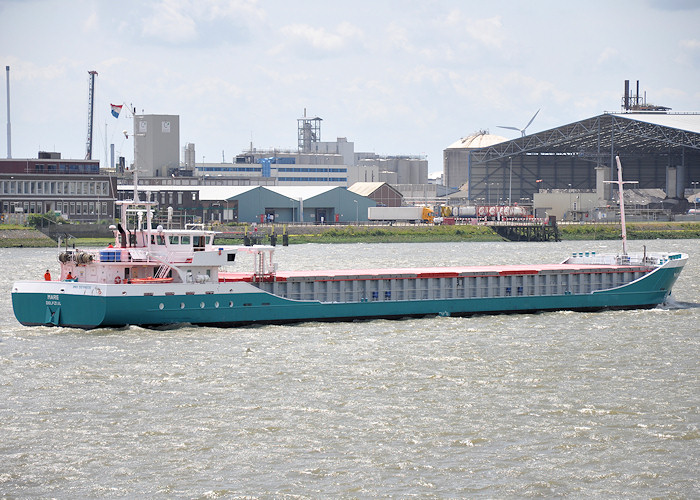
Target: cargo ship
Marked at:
154, 277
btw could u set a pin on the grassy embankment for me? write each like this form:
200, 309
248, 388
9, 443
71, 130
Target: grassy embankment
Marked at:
13, 236
18, 236
396, 234
635, 231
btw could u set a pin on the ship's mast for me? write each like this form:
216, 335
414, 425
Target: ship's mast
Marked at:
622, 205
620, 183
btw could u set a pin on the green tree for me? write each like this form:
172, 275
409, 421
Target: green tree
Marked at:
41, 220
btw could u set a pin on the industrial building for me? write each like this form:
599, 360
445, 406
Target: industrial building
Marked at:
456, 157
259, 204
282, 167
381, 192
314, 162
157, 144
73, 188
659, 150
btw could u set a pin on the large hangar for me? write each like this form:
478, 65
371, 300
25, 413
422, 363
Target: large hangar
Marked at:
658, 149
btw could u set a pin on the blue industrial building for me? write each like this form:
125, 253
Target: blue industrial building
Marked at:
279, 204
316, 204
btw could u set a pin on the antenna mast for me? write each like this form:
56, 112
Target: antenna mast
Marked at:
91, 106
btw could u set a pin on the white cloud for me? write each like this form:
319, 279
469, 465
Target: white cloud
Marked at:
487, 31
204, 87
689, 52
169, 23
425, 74
693, 45
185, 21
91, 23
22, 70
244, 10
454, 17
608, 55
320, 41
397, 37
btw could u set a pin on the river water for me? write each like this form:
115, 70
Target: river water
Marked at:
584, 404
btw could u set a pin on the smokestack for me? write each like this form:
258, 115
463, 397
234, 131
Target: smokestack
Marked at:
9, 127
626, 101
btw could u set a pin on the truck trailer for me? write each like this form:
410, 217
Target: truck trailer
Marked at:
401, 214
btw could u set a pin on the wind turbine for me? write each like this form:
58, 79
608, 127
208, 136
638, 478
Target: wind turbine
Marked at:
522, 130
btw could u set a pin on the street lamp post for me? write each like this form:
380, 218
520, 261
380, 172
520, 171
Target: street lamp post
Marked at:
695, 198
488, 191
292, 205
357, 212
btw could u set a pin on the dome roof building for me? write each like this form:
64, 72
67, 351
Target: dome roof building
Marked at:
456, 155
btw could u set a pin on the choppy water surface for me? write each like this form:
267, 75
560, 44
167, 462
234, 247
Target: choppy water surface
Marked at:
587, 404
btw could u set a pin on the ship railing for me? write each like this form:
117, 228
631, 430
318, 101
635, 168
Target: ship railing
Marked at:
631, 259
128, 254
164, 268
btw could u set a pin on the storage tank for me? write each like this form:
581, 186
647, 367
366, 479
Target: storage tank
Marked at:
404, 171
466, 211
422, 171
389, 177
415, 171
455, 156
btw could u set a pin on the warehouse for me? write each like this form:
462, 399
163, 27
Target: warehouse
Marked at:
660, 150
323, 204
381, 192
283, 204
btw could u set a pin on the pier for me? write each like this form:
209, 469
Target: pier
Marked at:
527, 229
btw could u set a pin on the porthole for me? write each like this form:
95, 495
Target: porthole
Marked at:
182, 305
230, 304
201, 305
216, 305
161, 306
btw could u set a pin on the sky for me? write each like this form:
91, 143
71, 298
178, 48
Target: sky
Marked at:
394, 77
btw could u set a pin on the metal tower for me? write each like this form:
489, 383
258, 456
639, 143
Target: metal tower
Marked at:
9, 127
309, 130
91, 106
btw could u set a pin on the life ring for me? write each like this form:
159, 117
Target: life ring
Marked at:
117, 280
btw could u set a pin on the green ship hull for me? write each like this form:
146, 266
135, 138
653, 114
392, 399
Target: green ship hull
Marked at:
98, 305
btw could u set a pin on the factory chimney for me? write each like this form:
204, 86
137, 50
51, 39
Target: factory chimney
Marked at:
9, 127
635, 102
